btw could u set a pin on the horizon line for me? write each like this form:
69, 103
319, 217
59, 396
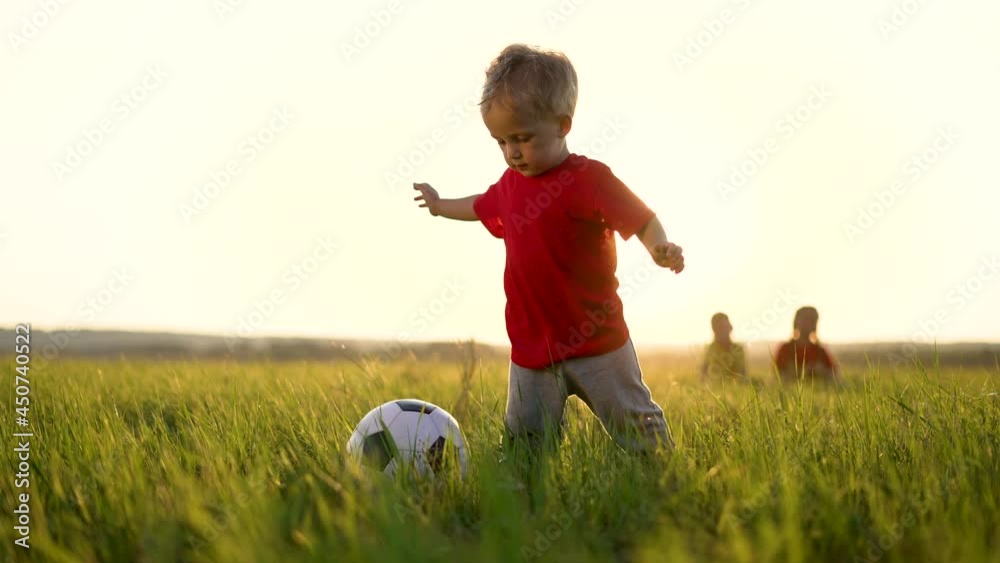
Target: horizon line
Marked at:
417, 341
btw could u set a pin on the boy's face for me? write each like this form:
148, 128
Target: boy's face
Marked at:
529, 146
722, 328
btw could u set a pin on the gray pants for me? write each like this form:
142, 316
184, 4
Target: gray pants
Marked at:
610, 384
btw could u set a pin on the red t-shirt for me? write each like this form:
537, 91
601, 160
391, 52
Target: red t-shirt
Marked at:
558, 227
792, 355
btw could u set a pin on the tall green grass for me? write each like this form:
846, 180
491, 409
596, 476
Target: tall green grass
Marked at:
166, 462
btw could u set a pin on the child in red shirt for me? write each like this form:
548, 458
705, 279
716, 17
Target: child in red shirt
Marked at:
803, 356
557, 213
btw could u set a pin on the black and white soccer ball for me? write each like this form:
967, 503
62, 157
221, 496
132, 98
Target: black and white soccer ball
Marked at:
408, 432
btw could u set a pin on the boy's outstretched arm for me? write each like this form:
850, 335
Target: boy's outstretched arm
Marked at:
458, 209
665, 253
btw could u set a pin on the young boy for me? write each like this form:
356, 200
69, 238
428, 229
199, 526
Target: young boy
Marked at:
557, 213
724, 357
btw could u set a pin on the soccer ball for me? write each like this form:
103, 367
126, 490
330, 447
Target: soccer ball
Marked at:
405, 432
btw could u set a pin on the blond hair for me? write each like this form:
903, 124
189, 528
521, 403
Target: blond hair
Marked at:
537, 83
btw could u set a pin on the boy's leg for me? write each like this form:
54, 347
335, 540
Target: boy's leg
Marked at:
611, 385
535, 400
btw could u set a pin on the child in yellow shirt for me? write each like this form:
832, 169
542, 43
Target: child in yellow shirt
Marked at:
724, 358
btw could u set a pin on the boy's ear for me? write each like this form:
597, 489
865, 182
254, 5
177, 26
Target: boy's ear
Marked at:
565, 124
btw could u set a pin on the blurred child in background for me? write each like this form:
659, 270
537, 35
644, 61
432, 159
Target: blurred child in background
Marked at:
724, 358
803, 356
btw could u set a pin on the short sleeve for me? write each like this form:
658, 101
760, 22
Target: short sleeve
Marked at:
616, 205
487, 208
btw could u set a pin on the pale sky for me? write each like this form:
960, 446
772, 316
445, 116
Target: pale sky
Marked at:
314, 106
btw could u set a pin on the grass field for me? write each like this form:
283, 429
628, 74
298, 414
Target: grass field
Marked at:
165, 462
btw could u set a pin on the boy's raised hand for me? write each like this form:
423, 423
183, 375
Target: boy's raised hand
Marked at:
428, 196
669, 255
